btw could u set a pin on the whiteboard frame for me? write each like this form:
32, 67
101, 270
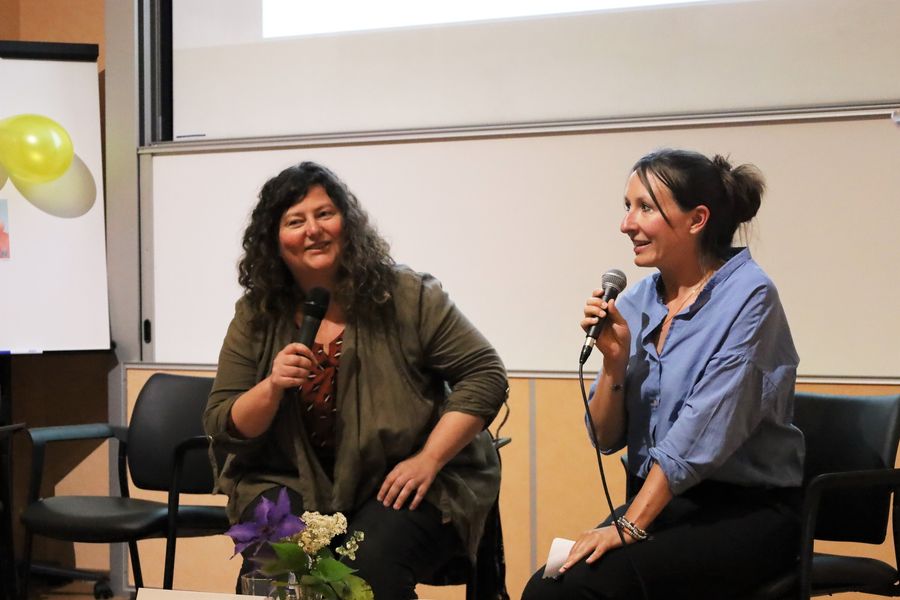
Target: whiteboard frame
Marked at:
54, 286
553, 367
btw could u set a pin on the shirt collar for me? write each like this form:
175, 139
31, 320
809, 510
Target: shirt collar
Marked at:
737, 257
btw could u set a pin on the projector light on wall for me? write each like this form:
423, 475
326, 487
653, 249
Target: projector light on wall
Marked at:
283, 18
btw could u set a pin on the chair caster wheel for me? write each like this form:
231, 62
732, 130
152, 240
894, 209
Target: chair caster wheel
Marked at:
102, 590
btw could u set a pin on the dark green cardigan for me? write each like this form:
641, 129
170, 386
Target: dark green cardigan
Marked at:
391, 390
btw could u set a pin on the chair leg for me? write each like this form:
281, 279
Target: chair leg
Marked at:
472, 584
135, 565
169, 570
8, 559
7, 552
25, 578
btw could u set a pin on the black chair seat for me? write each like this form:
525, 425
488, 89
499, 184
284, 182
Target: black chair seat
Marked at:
201, 520
96, 519
104, 519
832, 574
839, 573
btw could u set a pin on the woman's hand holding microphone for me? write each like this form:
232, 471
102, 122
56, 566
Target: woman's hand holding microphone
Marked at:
614, 341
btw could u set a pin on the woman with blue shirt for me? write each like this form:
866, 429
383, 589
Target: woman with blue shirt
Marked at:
697, 381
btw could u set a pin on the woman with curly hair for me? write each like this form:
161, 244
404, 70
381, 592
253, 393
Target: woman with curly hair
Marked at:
384, 417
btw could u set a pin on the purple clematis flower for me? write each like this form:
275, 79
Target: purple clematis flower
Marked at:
272, 522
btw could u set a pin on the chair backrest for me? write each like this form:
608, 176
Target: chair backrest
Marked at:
168, 411
849, 433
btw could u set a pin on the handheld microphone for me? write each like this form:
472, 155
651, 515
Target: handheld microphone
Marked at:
314, 308
612, 282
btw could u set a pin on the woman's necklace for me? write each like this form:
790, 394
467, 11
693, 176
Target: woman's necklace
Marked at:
690, 295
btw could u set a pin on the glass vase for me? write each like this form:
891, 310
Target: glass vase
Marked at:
265, 587
256, 585
305, 593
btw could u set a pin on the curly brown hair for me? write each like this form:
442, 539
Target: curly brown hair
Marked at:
365, 271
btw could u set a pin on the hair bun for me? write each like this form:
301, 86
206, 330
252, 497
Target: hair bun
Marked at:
722, 163
747, 186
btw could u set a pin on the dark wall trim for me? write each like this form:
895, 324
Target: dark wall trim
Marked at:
156, 70
164, 72
49, 51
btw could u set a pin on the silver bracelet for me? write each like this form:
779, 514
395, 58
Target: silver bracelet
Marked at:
631, 529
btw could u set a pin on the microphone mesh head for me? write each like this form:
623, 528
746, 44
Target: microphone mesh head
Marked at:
614, 279
316, 303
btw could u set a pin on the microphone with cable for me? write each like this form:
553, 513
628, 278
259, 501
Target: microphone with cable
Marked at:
314, 308
612, 283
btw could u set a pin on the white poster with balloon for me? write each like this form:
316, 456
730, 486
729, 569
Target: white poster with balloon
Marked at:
53, 284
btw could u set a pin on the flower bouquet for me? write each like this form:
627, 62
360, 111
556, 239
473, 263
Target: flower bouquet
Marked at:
294, 551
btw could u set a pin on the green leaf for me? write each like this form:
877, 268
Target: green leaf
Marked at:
357, 589
319, 587
340, 588
289, 552
330, 594
332, 570
289, 557
324, 553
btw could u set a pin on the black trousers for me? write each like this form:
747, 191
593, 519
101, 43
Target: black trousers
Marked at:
401, 547
713, 542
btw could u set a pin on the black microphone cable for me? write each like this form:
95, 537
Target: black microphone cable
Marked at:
612, 510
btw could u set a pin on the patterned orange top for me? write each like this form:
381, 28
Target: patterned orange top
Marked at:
317, 397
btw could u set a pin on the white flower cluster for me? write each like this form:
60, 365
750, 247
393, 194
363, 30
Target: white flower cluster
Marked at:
320, 530
350, 547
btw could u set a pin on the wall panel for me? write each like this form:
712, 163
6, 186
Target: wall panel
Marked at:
550, 487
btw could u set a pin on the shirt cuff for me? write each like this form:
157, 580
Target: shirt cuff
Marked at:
678, 474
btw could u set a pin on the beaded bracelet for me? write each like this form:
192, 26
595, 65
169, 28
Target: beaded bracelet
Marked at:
631, 529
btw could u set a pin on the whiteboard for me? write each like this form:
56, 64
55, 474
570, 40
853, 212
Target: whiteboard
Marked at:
520, 231
53, 288
738, 55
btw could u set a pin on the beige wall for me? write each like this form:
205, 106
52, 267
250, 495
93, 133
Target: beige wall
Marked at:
9, 20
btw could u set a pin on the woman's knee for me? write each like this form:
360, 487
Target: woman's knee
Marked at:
401, 547
582, 582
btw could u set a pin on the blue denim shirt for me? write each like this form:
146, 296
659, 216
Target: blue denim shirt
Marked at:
718, 402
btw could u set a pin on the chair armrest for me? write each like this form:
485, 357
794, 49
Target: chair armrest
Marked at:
8, 430
852, 479
825, 482
197, 442
41, 436
812, 498
193, 443
174, 498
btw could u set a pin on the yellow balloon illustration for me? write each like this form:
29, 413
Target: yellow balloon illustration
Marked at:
3, 177
34, 148
69, 196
